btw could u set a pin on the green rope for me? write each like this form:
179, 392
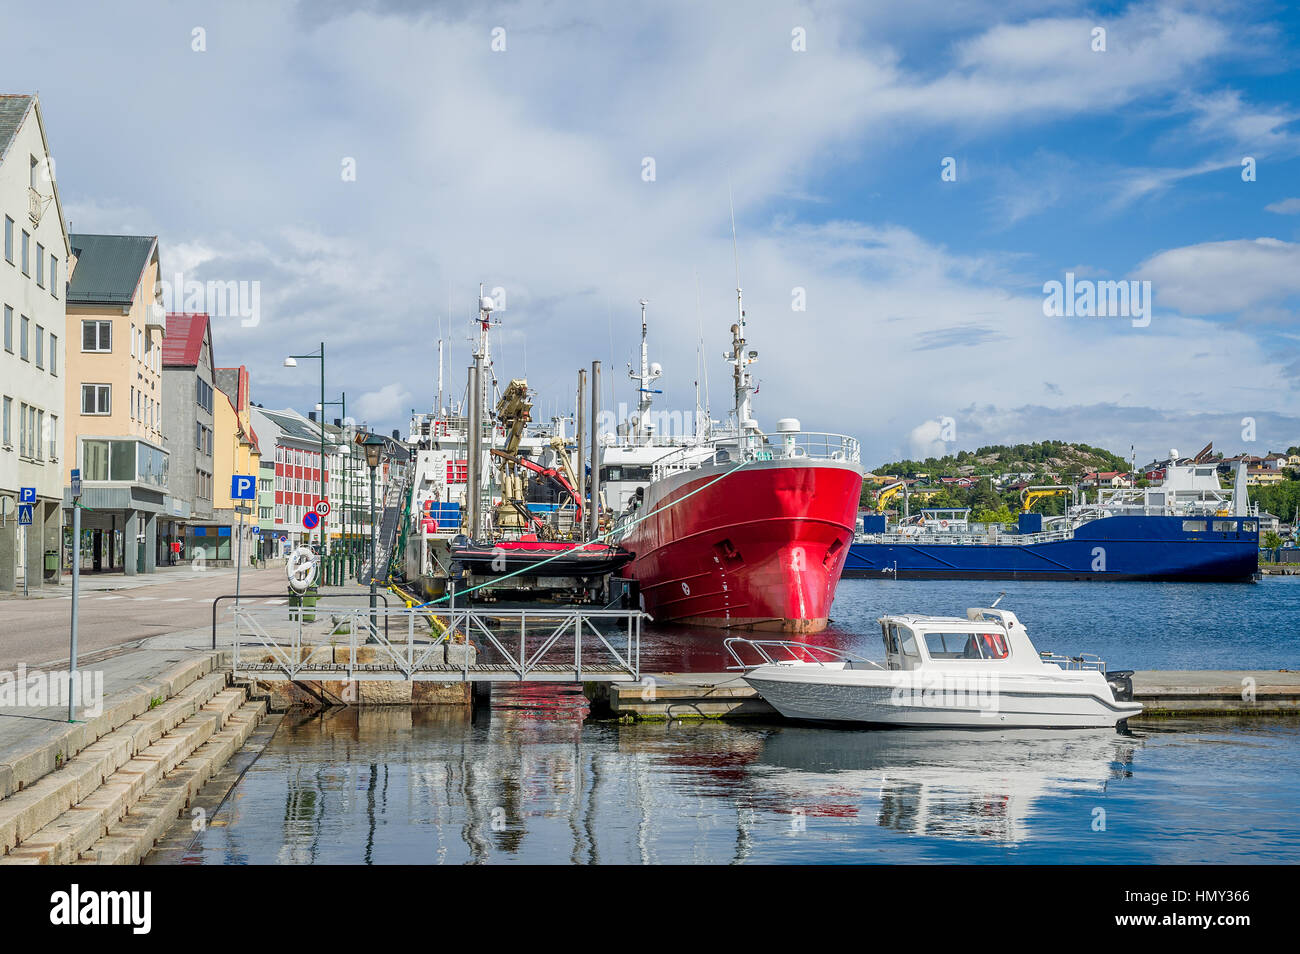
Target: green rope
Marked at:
599, 538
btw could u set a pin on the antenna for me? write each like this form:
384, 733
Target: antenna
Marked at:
998, 600
735, 254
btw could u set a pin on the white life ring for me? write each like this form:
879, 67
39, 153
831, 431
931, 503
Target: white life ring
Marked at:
301, 569
943, 524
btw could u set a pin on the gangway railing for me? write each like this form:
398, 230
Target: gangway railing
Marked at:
569, 644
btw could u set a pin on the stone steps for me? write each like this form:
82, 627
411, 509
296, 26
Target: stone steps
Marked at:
158, 762
26, 812
134, 835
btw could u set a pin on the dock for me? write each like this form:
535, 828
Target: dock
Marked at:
1165, 693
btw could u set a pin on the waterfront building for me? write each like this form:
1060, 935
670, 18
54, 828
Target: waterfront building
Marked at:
238, 451
266, 543
349, 483
297, 460
114, 394
32, 357
188, 428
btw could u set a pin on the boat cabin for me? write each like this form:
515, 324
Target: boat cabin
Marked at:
985, 636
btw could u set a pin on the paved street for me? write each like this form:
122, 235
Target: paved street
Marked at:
35, 631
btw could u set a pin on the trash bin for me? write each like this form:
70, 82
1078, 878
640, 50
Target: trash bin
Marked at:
305, 603
51, 564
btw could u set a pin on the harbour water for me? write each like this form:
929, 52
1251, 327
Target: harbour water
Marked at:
1130, 625
532, 780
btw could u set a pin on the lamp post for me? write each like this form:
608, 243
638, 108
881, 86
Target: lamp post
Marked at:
342, 405
292, 362
373, 445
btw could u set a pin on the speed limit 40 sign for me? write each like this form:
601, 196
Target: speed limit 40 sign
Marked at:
322, 507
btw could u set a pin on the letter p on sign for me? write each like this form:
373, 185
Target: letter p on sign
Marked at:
242, 488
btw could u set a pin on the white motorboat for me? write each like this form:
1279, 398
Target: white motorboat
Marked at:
948, 672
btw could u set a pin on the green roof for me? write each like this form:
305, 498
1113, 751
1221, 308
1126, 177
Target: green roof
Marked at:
108, 267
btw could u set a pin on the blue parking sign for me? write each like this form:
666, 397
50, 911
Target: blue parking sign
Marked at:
242, 487
27, 495
24, 515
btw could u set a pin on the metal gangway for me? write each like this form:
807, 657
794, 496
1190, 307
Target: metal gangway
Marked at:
396, 500
347, 643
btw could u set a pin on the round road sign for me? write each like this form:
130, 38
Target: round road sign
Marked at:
310, 520
322, 507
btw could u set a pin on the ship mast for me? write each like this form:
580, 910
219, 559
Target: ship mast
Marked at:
649, 374
740, 358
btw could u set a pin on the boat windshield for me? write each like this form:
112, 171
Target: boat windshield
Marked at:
966, 645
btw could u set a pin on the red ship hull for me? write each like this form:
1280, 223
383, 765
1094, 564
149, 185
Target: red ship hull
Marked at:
761, 548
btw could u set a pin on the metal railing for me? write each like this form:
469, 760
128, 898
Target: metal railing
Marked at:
1079, 662
789, 651
415, 644
810, 445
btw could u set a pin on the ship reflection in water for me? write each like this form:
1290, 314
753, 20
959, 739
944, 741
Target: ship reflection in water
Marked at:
532, 782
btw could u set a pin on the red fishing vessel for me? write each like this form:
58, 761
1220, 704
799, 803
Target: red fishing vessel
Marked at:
746, 530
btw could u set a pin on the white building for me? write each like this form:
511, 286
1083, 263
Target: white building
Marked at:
33, 274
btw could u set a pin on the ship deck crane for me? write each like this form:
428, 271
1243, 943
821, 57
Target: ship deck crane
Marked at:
1031, 495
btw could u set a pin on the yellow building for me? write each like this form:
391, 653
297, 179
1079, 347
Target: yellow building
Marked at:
235, 452
113, 421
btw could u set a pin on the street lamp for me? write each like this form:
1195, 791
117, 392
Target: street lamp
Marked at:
292, 362
373, 445
342, 405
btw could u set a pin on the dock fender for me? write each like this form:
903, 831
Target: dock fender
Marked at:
1121, 684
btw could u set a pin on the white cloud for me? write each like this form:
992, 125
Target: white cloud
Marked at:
1284, 207
390, 402
1217, 277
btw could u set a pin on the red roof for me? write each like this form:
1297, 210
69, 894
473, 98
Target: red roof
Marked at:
183, 342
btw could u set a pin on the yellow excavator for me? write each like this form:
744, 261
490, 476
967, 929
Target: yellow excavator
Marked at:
1031, 495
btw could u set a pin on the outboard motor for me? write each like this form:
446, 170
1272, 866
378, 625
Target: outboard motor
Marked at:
1121, 684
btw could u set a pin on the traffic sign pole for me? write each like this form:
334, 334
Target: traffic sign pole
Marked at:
76, 580
242, 487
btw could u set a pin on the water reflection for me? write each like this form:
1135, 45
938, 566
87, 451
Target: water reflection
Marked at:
943, 783
531, 782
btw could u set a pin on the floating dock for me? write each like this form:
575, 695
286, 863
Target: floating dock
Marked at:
1165, 693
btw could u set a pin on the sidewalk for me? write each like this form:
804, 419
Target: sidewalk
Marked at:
105, 582
36, 739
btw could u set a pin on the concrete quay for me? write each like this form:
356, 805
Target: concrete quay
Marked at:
1208, 692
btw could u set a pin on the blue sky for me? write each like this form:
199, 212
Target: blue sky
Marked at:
523, 168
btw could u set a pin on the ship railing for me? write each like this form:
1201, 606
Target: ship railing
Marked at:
1079, 662
803, 445
777, 652
969, 539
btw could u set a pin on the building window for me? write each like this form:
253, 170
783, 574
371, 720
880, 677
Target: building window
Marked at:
9, 240
54, 437
40, 265
96, 399
54, 277
9, 329
54, 355
40, 347
38, 433
24, 344
97, 336
8, 413
26, 253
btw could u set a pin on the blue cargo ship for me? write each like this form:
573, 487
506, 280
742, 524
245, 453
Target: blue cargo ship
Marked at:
1186, 529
